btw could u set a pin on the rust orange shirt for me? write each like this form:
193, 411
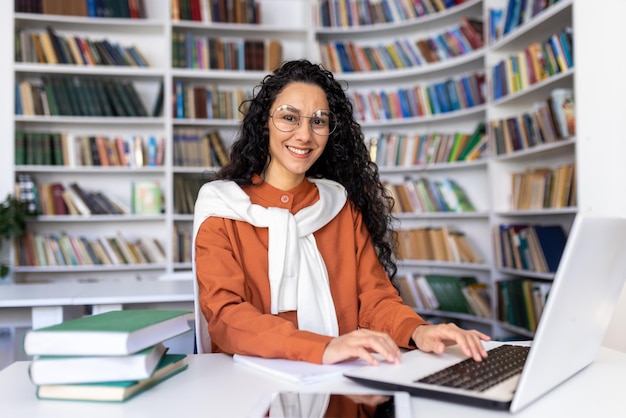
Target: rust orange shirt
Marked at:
234, 291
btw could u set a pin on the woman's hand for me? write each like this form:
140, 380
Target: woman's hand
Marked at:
361, 344
435, 338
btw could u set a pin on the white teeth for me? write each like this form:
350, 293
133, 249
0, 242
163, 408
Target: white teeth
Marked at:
298, 151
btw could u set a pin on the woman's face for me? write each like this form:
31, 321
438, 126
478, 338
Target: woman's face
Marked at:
293, 153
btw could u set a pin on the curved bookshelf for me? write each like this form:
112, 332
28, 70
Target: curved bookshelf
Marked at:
403, 25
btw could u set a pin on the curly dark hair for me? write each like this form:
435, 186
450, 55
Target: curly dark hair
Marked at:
344, 160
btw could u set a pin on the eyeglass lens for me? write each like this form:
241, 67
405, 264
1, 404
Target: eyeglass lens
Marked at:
287, 119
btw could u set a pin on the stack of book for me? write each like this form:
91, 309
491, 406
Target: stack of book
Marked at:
106, 357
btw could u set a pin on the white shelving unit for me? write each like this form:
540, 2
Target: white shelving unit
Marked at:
552, 155
293, 22
152, 36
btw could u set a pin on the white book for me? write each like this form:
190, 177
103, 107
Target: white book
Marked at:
54, 370
298, 371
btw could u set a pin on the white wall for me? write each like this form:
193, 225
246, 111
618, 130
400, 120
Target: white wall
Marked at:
600, 87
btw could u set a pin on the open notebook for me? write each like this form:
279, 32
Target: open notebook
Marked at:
585, 290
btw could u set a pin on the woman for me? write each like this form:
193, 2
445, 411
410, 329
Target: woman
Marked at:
293, 253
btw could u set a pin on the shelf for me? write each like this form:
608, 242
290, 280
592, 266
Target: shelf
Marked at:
87, 23
224, 123
455, 315
454, 166
403, 26
537, 212
109, 170
89, 269
537, 91
531, 153
126, 72
418, 120
100, 218
432, 264
542, 22
526, 273
473, 57
88, 120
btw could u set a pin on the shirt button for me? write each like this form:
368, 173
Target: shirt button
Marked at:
284, 198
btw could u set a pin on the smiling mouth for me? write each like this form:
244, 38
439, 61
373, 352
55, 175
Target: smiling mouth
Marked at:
299, 151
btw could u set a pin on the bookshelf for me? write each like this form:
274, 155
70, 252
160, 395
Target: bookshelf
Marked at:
154, 36
553, 152
388, 131
486, 179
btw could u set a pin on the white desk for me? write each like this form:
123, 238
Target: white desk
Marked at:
24, 306
213, 386
48, 304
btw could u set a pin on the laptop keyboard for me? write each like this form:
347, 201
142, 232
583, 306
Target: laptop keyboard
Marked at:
503, 362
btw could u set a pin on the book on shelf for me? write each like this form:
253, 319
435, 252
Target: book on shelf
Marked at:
48, 370
297, 371
530, 247
79, 96
521, 301
49, 47
561, 104
110, 333
146, 198
449, 293
117, 391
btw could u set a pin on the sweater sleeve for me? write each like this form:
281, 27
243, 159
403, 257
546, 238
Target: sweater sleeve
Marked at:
381, 307
237, 308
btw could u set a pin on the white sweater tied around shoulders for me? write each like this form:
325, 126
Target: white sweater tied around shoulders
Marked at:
297, 273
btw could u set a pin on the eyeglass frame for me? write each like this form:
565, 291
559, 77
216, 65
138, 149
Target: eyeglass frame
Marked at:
332, 119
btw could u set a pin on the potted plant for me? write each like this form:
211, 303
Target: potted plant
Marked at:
13, 214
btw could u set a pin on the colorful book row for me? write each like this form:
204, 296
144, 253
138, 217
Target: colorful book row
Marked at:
521, 301
529, 247
516, 13
195, 147
219, 11
451, 95
56, 198
348, 13
405, 150
193, 101
437, 243
132, 9
66, 250
544, 188
427, 196
71, 150
462, 294
538, 61
78, 96
46, 47
346, 56
234, 54
548, 121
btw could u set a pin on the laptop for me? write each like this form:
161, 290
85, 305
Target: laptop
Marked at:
585, 289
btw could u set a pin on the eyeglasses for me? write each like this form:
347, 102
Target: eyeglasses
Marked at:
287, 118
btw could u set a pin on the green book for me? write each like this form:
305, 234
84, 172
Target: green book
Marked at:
474, 140
170, 365
20, 148
110, 333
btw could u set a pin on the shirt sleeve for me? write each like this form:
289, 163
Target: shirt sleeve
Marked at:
381, 308
235, 308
